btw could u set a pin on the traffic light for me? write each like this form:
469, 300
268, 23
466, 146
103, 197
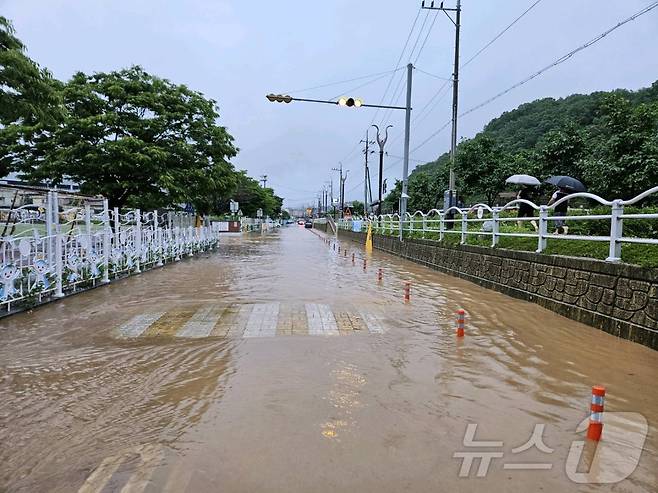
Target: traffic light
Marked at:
279, 98
350, 102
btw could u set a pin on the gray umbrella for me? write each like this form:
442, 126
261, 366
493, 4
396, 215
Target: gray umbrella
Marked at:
523, 180
567, 182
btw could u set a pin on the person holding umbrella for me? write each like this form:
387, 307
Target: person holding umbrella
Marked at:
525, 193
565, 186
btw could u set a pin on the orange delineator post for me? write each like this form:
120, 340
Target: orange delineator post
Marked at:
595, 428
407, 290
380, 274
461, 316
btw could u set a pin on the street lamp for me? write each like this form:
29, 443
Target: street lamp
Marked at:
382, 143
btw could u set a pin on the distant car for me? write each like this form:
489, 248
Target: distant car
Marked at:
308, 223
300, 222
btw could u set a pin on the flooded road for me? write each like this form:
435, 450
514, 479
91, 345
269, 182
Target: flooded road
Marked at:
278, 364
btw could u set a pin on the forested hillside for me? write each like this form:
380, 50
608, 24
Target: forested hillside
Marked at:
608, 140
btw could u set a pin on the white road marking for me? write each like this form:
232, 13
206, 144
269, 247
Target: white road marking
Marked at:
263, 320
139, 324
373, 322
201, 323
321, 320
151, 456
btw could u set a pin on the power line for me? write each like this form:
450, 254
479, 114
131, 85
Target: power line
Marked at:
432, 75
390, 81
329, 84
563, 58
398, 94
351, 91
501, 33
397, 64
426, 37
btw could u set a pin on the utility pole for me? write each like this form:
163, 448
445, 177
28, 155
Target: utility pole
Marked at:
455, 92
263, 179
405, 169
331, 194
382, 143
341, 187
366, 180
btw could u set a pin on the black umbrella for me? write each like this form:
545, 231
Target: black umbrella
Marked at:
567, 182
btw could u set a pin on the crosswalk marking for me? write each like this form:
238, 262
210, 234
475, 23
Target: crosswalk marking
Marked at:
321, 320
150, 456
202, 322
170, 324
373, 323
253, 320
292, 320
138, 324
262, 321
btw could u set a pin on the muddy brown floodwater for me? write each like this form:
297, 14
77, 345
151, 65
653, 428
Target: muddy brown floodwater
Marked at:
276, 364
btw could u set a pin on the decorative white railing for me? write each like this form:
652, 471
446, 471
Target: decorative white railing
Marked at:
56, 251
456, 221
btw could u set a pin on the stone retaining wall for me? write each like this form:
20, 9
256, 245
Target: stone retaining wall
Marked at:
620, 299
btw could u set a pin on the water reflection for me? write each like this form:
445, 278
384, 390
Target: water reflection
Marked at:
351, 409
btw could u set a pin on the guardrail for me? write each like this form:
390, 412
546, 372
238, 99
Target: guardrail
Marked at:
456, 221
57, 251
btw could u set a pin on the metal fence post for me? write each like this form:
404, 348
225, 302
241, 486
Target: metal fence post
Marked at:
137, 240
107, 246
616, 231
442, 226
117, 228
464, 226
543, 228
496, 226
424, 224
59, 266
50, 231
157, 238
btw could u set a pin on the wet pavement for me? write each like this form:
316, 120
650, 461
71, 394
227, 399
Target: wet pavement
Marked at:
278, 364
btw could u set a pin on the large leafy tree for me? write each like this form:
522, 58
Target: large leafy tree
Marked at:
624, 160
137, 139
482, 167
251, 197
29, 96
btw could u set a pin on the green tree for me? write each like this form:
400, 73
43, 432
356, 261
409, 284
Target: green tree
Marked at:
624, 161
423, 191
137, 139
251, 197
357, 207
29, 97
482, 167
391, 203
560, 151
28, 94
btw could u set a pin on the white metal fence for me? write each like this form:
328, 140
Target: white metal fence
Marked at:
59, 249
456, 221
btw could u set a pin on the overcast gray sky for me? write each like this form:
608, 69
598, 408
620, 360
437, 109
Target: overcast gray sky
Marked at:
238, 51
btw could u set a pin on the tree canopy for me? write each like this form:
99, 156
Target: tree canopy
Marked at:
133, 137
608, 140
